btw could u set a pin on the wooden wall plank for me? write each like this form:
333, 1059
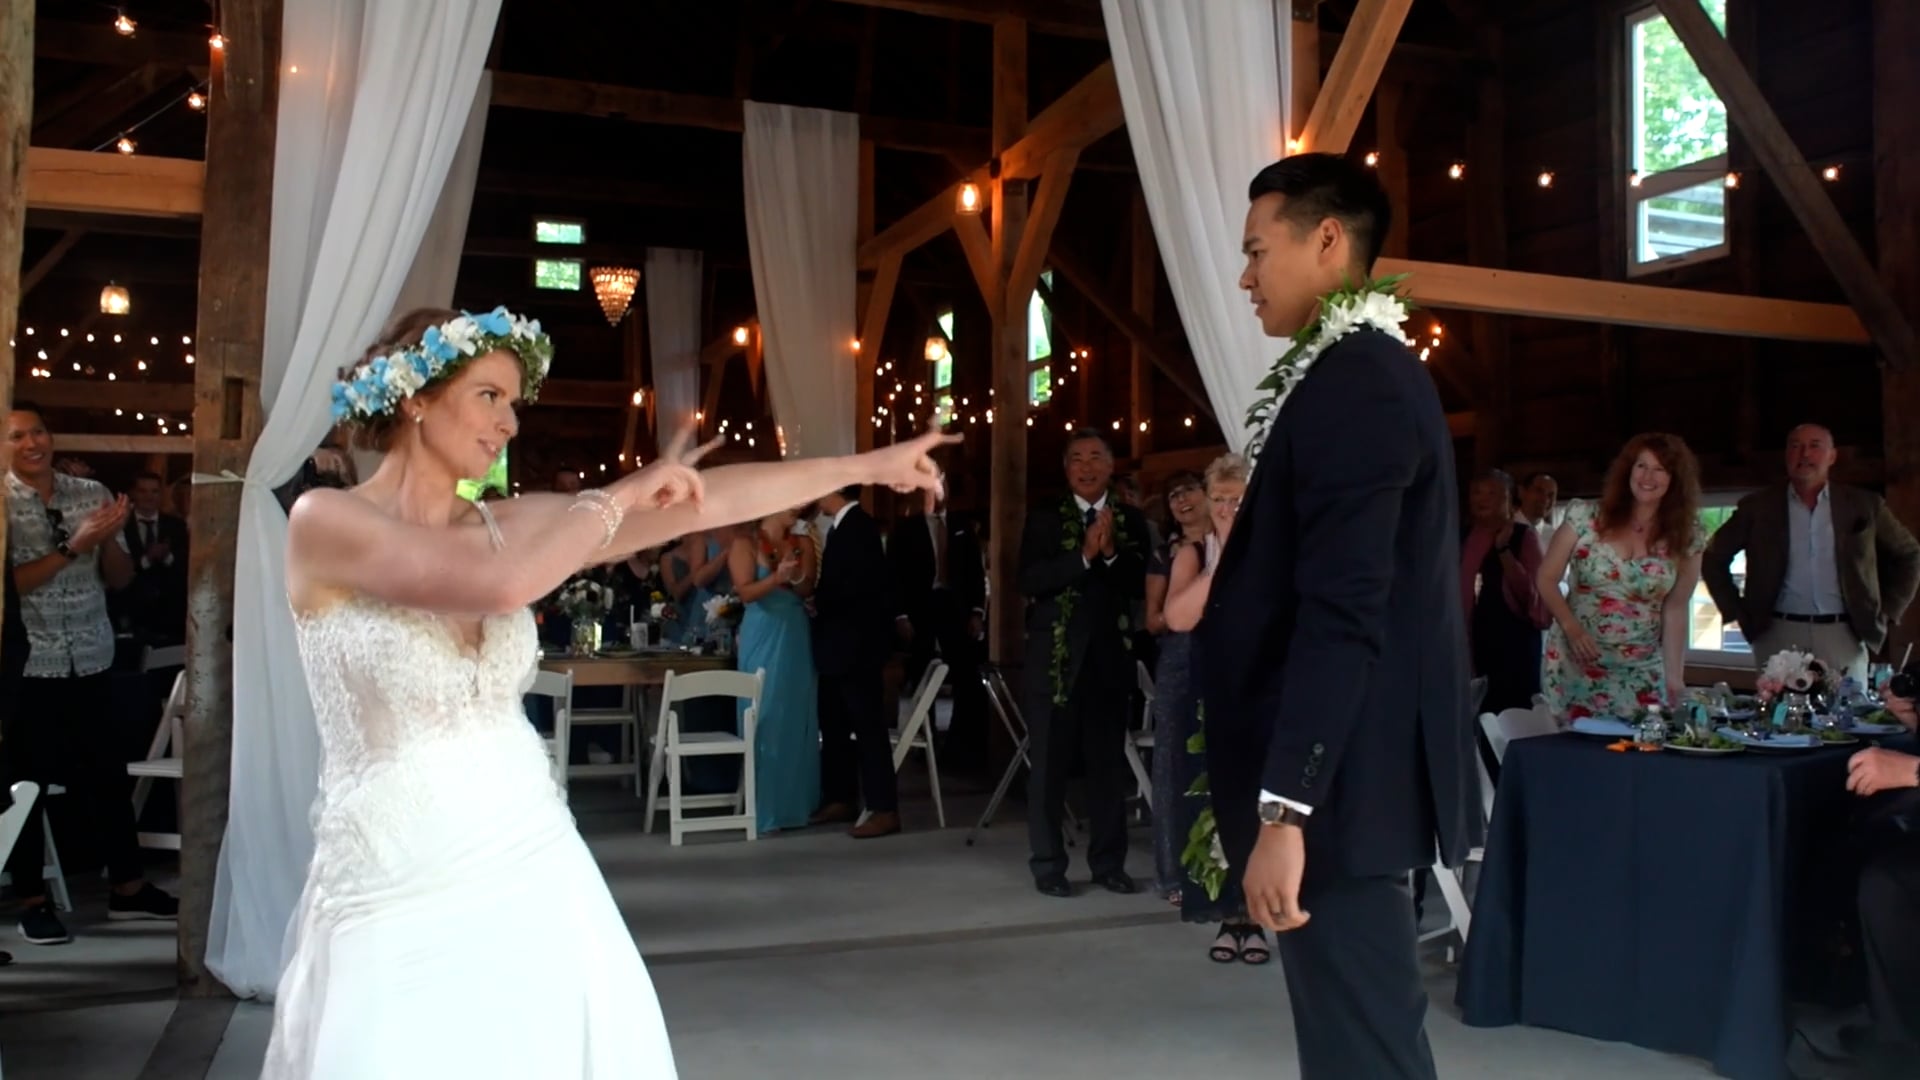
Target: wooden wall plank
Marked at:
114, 183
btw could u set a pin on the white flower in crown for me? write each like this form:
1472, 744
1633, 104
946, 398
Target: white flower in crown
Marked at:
461, 334
524, 328
402, 378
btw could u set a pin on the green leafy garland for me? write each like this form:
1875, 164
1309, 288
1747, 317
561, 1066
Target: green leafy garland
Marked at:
1073, 535
1204, 858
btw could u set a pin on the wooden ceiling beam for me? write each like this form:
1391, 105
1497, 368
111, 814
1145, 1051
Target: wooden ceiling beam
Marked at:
1428, 65
1776, 152
124, 444
97, 395
1546, 296
51, 259
544, 93
608, 189
114, 183
1137, 331
1355, 72
1083, 115
586, 394
1056, 18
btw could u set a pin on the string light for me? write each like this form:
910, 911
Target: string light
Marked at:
186, 339
142, 365
1545, 179
1372, 159
969, 199
125, 145
1830, 173
29, 331
1143, 425
1029, 421
1293, 146
1733, 180
1423, 355
63, 331
123, 25
217, 42
1456, 170
155, 340
1189, 421
197, 101
189, 359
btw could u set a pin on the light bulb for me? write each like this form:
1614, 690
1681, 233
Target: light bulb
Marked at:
125, 145
217, 42
1456, 170
1830, 173
123, 25
196, 101
1373, 159
1545, 179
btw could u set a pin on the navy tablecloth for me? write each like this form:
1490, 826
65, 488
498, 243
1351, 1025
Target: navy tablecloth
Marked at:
1658, 899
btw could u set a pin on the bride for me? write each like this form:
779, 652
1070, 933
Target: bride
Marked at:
453, 922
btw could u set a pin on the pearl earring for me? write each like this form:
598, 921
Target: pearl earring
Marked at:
419, 418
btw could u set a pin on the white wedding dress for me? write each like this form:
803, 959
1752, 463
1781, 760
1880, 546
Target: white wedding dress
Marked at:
453, 923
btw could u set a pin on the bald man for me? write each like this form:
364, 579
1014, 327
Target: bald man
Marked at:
1829, 568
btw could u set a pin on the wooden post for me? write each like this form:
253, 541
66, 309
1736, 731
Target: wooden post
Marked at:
243, 97
1145, 287
1305, 76
16, 119
1896, 190
1009, 467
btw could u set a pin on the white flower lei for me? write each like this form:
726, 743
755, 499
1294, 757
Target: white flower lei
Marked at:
1372, 304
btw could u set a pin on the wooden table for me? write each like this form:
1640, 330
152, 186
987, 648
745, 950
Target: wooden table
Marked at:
634, 674
647, 669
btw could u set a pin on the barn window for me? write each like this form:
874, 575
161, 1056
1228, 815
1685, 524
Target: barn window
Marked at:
1675, 181
1040, 346
559, 231
1710, 638
561, 274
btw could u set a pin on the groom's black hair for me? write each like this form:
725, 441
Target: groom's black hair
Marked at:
851, 493
1321, 186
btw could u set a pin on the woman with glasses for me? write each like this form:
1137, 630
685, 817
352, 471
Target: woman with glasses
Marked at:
1238, 938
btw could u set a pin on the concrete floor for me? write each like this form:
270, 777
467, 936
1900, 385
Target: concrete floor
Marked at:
809, 955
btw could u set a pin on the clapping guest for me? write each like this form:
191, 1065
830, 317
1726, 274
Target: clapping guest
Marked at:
691, 570
853, 633
1172, 689
1620, 635
940, 581
61, 549
1187, 593
1499, 586
157, 543
774, 572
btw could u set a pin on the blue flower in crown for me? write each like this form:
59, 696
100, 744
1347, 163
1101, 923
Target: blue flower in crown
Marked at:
378, 386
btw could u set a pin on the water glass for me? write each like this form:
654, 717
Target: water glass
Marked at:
1798, 715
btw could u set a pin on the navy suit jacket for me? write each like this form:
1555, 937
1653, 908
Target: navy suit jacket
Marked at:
853, 603
1333, 650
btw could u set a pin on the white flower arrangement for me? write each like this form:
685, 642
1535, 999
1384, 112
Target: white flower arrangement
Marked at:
584, 598
657, 610
1791, 671
722, 608
1373, 305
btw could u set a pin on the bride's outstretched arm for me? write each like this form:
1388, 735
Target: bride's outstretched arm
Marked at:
736, 493
338, 541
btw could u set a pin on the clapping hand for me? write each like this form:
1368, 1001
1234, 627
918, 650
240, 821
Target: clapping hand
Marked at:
1099, 537
1105, 521
100, 525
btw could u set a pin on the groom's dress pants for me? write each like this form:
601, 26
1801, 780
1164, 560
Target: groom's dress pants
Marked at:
1359, 1009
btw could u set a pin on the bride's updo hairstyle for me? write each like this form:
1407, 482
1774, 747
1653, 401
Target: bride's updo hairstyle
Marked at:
375, 433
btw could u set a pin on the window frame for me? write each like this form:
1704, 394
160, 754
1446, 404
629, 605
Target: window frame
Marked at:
1717, 658
1637, 188
558, 245
1044, 363
533, 273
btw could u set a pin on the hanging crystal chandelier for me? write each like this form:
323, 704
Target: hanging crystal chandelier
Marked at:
614, 285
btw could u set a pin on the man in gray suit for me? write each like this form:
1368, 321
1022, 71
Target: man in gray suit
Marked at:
1829, 568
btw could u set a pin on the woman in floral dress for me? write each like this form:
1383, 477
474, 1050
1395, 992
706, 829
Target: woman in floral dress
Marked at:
1619, 639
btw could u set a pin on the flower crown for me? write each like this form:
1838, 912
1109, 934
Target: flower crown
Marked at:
378, 386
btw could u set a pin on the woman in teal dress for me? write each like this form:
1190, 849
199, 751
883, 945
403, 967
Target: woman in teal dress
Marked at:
772, 576
695, 570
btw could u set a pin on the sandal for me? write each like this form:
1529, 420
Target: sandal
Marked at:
1226, 947
1253, 946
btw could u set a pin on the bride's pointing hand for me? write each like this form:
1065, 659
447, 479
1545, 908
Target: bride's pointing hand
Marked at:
908, 466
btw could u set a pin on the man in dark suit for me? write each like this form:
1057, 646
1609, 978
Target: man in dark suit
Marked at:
852, 636
157, 543
1339, 741
1829, 568
1083, 560
941, 581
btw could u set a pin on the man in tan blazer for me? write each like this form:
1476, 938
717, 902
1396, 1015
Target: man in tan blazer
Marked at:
1829, 568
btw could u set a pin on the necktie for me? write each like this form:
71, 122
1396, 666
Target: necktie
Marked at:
939, 525
1093, 514
146, 534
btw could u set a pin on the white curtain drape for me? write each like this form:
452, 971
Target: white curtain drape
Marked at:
673, 281
1202, 86
369, 129
803, 190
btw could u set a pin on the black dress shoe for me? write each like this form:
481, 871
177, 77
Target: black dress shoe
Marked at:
1116, 881
1053, 885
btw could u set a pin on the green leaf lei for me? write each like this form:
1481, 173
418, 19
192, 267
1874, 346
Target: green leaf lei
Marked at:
1073, 535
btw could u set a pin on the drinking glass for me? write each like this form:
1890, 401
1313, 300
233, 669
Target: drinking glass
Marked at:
1798, 715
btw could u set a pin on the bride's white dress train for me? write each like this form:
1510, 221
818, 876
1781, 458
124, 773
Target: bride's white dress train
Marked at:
453, 923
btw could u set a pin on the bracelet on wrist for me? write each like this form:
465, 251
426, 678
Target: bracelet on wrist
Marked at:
610, 511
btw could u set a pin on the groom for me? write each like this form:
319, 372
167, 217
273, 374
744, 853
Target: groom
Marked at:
1338, 734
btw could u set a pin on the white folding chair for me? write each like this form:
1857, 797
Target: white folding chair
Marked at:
671, 745
917, 732
164, 761
25, 792
557, 686
1140, 743
1515, 724
50, 872
162, 657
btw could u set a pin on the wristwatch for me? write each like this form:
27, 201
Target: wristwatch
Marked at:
66, 551
1279, 813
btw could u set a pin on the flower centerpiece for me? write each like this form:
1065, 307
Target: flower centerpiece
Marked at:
1790, 671
585, 602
